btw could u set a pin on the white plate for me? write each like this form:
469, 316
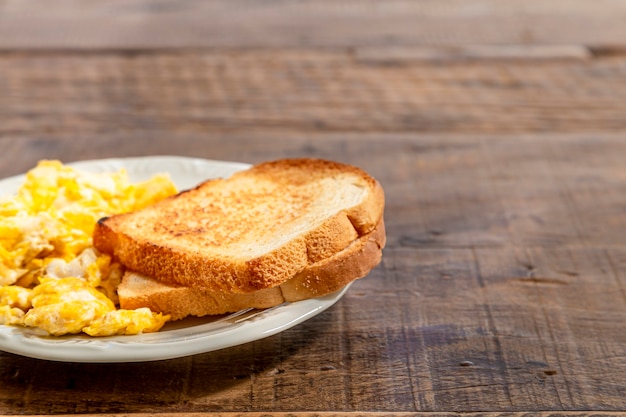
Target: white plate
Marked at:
176, 339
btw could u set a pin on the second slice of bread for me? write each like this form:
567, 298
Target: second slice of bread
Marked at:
319, 279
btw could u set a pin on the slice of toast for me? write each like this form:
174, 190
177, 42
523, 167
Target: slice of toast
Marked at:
321, 278
254, 230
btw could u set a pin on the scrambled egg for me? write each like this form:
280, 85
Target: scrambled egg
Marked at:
51, 277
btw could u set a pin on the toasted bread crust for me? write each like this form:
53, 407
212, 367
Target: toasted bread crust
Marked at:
334, 273
321, 278
195, 238
138, 291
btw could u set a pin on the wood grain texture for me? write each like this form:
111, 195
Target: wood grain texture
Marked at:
55, 94
124, 24
358, 414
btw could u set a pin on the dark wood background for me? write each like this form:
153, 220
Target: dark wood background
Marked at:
497, 129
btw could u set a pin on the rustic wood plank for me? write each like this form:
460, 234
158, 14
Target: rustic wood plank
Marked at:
553, 304
279, 23
59, 94
359, 414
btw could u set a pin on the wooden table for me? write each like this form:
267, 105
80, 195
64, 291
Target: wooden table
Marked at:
498, 131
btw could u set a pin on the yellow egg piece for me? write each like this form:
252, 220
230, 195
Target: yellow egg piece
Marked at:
11, 315
66, 305
15, 297
46, 247
127, 322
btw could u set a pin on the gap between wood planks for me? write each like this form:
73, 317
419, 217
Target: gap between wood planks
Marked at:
399, 54
367, 54
360, 414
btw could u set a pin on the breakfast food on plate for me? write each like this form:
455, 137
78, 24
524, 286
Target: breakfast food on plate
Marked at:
280, 231
51, 278
94, 253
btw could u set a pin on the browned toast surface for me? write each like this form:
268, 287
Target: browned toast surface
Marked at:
254, 230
